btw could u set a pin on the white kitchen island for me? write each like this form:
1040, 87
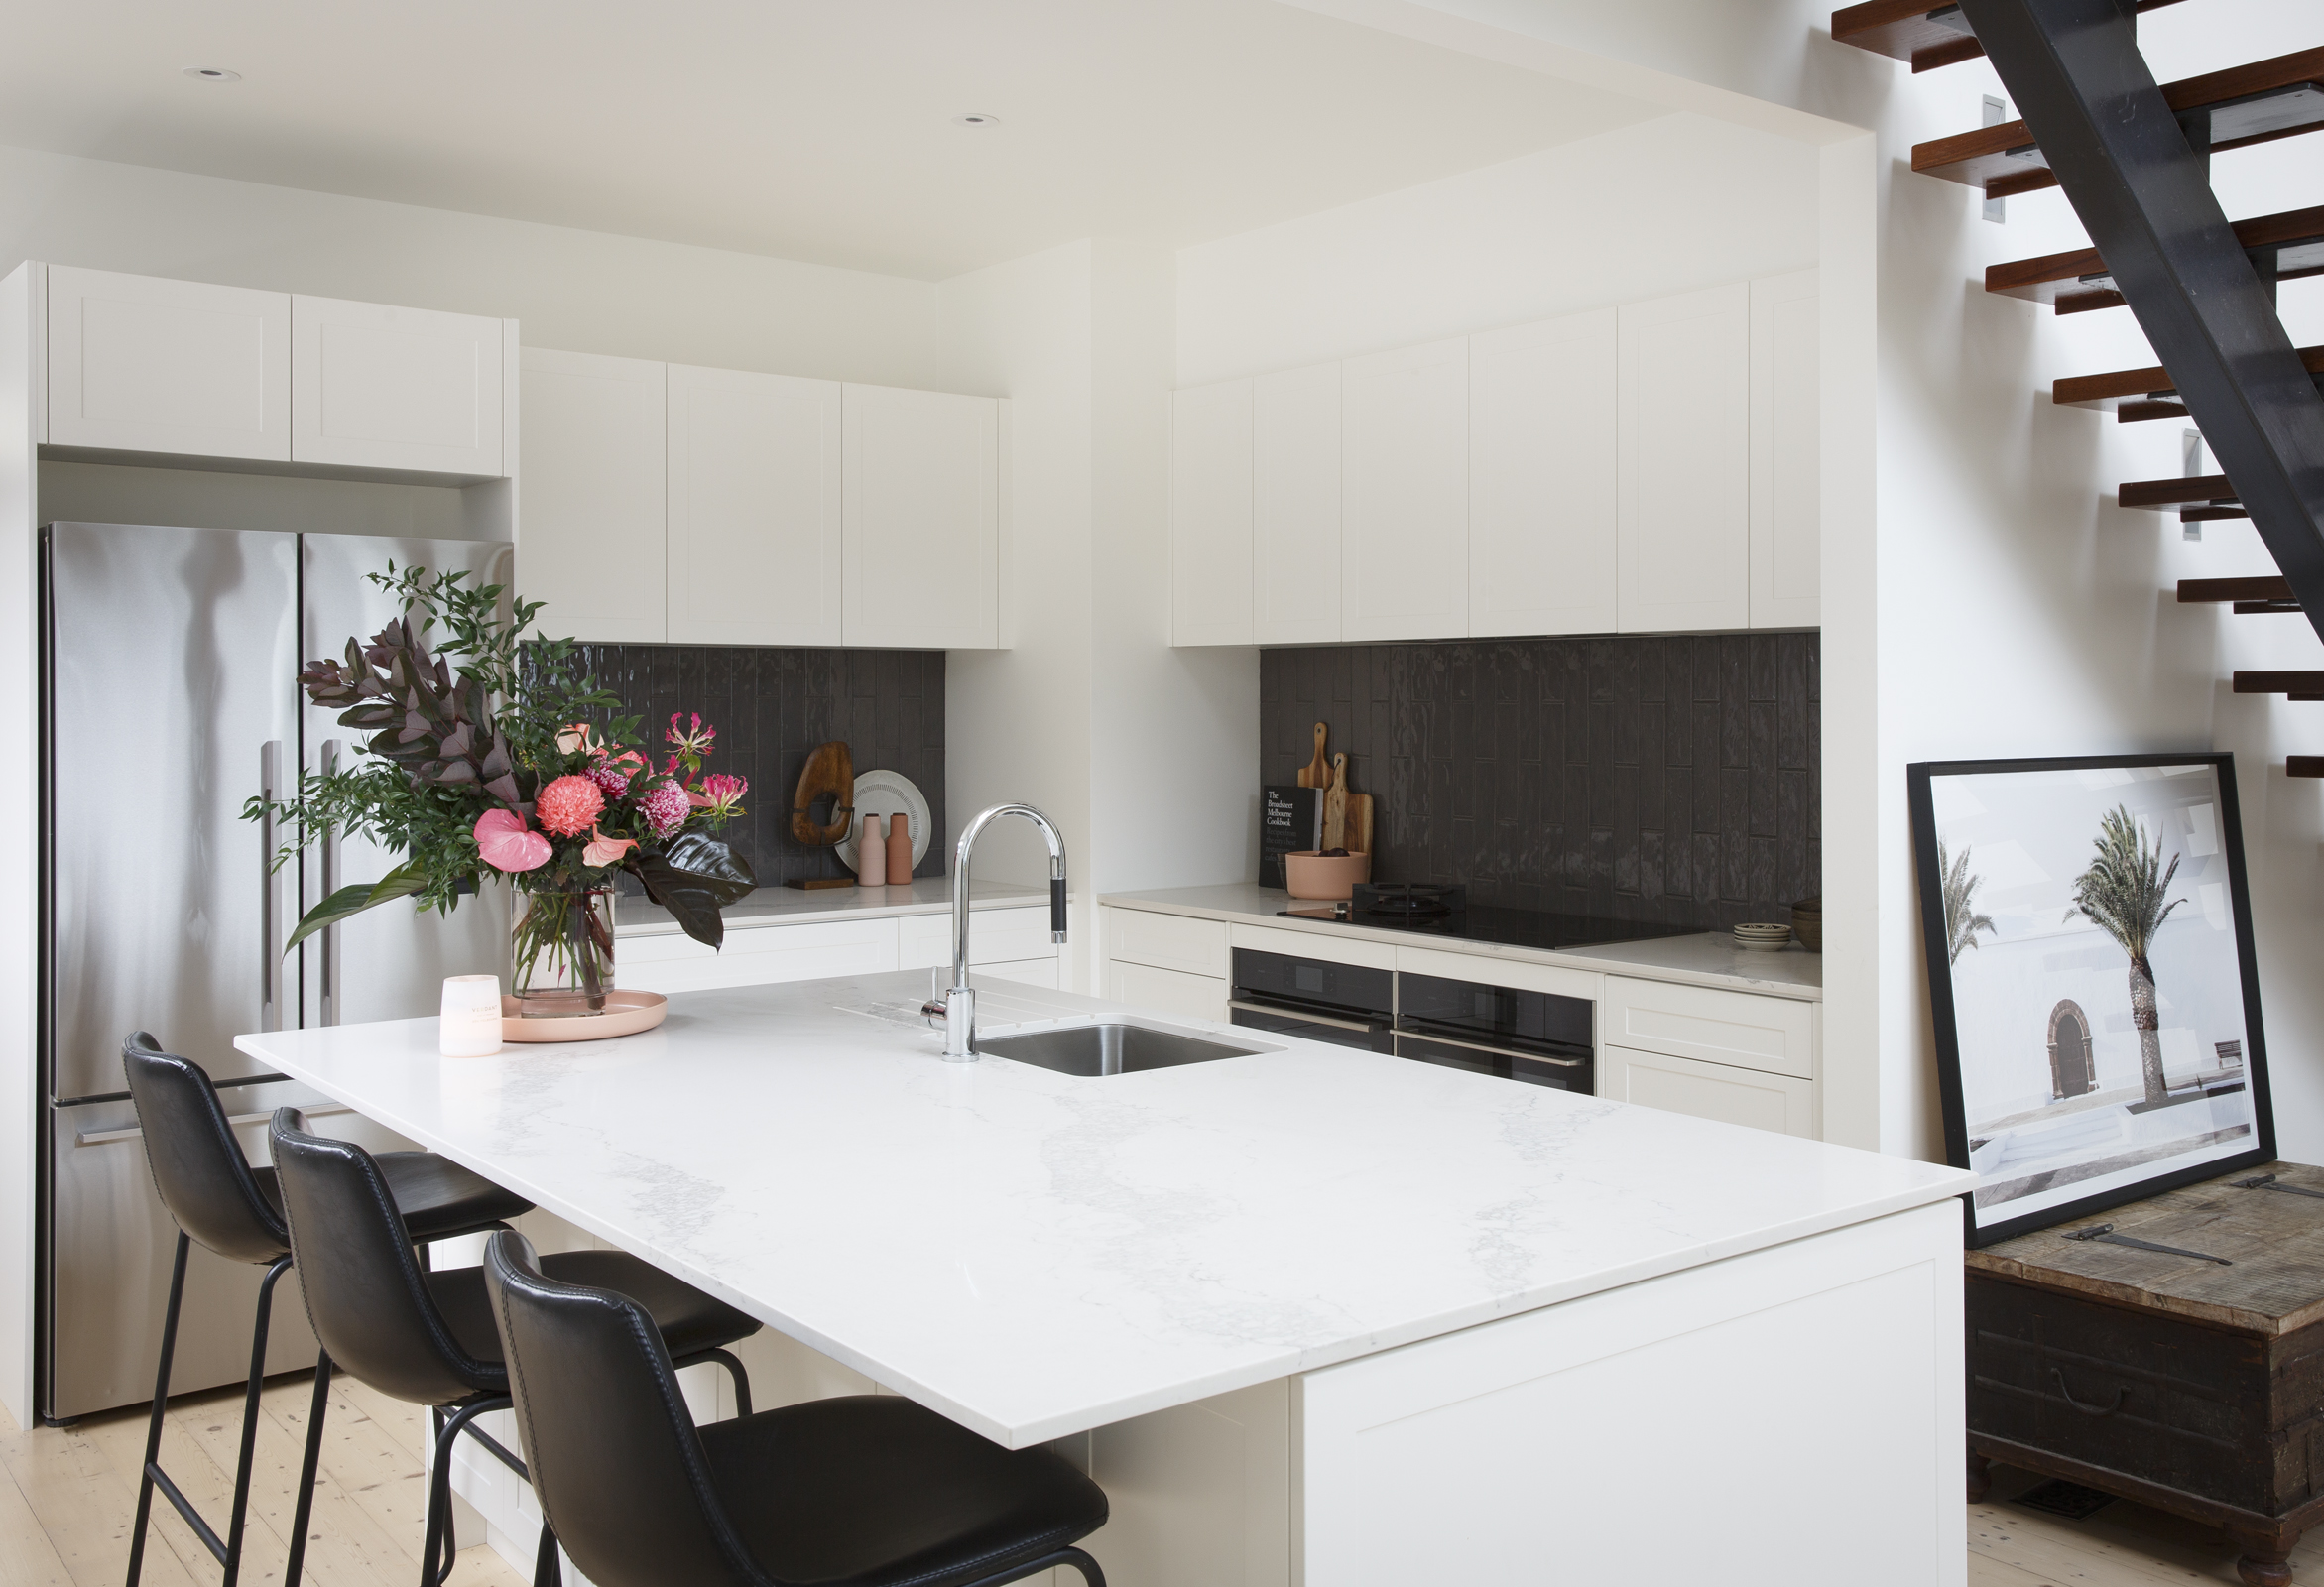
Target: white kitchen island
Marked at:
1312, 1316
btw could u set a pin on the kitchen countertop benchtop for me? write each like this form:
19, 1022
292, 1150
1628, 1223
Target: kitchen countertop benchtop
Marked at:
1708, 959
1033, 1254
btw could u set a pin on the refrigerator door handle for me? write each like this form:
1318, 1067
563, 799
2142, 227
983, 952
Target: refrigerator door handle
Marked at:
332, 750
270, 971
98, 1138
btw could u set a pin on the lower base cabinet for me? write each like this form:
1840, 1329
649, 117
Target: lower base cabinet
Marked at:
1009, 944
1145, 986
1708, 1090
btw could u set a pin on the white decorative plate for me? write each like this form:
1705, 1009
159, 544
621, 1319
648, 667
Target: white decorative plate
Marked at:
886, 793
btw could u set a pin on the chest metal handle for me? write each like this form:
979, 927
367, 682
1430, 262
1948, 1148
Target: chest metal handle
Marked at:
2106, 1410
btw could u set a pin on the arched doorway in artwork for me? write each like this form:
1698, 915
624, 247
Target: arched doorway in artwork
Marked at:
2071, 1070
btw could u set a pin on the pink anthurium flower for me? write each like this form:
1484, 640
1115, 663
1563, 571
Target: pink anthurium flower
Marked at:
603, 851
506, 844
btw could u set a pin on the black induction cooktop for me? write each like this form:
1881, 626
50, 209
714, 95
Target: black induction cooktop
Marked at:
1429, 908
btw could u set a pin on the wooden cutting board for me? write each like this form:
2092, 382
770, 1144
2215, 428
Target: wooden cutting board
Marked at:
1335, 805
1317, 771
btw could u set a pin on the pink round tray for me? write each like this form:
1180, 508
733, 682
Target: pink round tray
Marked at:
626, 1014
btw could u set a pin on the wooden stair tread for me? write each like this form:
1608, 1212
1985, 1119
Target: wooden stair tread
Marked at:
2004, 160
2215, 591
1906, 30
2117, 387
2293, 683
2159, 495
2304, 765
2076, 281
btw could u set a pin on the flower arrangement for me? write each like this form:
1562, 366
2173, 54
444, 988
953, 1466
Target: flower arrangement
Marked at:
484, 760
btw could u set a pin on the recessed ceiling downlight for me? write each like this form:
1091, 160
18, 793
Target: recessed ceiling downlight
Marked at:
212, 74
976, 118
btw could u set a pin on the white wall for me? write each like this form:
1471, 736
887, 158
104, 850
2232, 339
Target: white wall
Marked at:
2016, 612
581, 290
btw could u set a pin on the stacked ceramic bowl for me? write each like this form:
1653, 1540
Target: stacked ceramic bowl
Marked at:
1807, 923
1762, 938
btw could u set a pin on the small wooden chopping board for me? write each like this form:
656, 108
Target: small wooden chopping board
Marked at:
1317, 771
1335, 805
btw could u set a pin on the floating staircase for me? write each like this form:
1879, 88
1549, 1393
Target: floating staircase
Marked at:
2133, 156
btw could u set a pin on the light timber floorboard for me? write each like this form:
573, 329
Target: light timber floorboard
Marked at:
2120, 1545
71, 1496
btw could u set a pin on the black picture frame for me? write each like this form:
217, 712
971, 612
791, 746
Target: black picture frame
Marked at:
1920, 781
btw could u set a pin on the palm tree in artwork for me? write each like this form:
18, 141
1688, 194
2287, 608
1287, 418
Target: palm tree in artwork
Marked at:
1962, 921
2122, 894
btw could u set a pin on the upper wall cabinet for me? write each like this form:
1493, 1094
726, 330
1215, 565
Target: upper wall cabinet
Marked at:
592, 463
138, 364
1543, 480
1211, 515
1684, 438
1786, 487
755, 509
375, 387
923, 516
1404, 494
1296, 506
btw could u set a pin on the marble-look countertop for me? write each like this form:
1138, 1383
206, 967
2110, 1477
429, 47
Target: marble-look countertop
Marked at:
1709, 959
793, 905
1033, 1254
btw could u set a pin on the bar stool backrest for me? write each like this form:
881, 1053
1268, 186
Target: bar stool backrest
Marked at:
366, 1297
614, 1458
198, 1165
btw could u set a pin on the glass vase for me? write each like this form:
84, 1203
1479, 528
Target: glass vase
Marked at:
561, 953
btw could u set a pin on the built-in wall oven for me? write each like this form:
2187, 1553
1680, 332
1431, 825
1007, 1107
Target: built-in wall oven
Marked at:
1538, 1037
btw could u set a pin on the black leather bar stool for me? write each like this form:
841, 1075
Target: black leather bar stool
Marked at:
863, 1491
428, 1337
235, 1210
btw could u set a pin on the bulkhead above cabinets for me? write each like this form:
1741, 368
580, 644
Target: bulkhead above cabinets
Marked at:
1645, 468
671, 504
141, 369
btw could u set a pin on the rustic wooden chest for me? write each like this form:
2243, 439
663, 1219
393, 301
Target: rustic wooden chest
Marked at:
2195, 1386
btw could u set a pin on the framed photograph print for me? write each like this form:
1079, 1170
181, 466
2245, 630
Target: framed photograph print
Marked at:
2091, 973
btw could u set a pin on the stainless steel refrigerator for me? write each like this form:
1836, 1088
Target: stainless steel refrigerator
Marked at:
169, 697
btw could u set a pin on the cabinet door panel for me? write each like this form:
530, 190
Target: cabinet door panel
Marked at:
1686, 458
1211, 515
1296, 506
141, 364
1543, 475
1404, 497
1708, 1090
1145, 988
755, 509
378, 387
1786, 487
922, 520
592, 455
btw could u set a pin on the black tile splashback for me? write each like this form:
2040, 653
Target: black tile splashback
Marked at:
1669, 780
771, 708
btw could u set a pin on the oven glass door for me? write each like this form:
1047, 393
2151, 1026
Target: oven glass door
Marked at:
1371, 1036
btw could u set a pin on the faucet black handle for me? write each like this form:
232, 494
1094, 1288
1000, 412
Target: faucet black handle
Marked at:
1057, 908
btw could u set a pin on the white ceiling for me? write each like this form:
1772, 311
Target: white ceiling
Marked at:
807, 129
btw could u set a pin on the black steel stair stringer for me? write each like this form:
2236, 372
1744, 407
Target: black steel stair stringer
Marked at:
2074, 69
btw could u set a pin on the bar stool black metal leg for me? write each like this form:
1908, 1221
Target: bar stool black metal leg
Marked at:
1080, 1561
547, 1571
153, 1434
441, 1540
305, 1512
258, 1333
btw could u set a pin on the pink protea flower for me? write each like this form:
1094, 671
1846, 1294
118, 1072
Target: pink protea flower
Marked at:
720, 795
570, 807
665, 807
611, 778
695, 739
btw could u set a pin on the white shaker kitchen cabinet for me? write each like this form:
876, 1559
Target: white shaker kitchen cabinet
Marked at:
756, 518
1786, 488
1211, 572
1763, 1101
407, 389
1404, 493
922, 520
1542, 477
1684, 432
139, 364
594, 459
1296, 506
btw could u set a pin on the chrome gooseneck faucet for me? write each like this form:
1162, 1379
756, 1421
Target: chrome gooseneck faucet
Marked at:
957, 1007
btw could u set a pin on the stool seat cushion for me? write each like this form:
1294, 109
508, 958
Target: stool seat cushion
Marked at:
435, 1195
690, 1321
874, 1490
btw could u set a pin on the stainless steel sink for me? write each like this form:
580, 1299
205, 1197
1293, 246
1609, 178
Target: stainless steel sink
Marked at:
1113, 1045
